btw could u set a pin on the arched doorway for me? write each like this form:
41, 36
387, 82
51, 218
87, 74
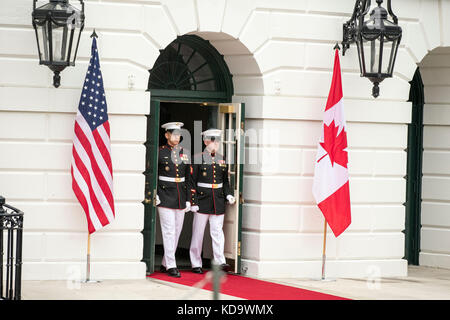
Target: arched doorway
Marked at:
190, 68
414, 171
190, 82
428, 183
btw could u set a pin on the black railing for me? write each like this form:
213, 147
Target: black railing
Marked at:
11, 226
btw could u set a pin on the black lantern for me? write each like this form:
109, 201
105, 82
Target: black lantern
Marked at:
377, 40
57, 24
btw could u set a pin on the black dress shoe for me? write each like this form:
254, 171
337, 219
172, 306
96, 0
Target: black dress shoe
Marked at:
162, 269
197, 270
225, 267
173, 272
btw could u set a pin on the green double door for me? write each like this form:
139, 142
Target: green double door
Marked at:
226, 116
414, 175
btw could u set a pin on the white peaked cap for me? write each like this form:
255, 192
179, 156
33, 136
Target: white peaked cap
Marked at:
172, 125
212, 133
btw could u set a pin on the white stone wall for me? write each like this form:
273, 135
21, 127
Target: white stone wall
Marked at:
36, 130
435, 215
280, 53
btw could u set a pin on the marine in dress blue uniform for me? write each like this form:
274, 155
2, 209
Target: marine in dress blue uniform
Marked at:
173, 193
212, 190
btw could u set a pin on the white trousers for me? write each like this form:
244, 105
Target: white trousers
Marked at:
217, 236
171, 225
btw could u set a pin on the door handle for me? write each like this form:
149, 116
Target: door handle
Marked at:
154, 197
241, 198
148, 198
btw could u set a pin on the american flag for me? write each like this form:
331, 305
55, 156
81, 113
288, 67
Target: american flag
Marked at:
92, 180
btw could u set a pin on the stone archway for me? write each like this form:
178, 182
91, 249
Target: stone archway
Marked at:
193, 73
435, 200
191, 67
425, 48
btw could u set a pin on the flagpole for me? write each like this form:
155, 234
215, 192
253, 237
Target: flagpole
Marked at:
88, 264
334, 98
94, 64
88, 258
324, 248
324, 256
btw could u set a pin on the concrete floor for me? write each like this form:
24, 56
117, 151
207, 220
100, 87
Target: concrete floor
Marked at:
147, 289
421, 283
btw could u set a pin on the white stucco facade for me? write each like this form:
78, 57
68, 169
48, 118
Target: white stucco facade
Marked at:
280, 54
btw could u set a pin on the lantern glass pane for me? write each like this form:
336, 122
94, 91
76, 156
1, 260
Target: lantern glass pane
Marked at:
388, 48
42, 35
372, 56
60, 42
389, 56
74, 29
361, 56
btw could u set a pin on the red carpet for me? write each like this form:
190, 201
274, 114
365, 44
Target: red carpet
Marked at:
250, 289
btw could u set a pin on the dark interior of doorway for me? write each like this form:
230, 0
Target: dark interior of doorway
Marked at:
186, 113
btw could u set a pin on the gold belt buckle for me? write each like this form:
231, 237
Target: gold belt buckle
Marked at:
215, 186
177, 179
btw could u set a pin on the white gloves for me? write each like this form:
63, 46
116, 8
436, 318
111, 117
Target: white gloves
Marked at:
157, 200
231, 199
189, 208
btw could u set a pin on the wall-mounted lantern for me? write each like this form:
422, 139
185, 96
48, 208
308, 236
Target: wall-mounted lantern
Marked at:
58, 26
377, 40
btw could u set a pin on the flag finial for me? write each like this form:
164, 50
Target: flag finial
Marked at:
337, 46
94, 34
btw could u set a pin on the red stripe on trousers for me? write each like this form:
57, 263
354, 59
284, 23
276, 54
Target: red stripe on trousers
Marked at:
85, 174
179, 197
336, 209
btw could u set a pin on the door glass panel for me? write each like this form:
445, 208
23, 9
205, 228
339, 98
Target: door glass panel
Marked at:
229, 119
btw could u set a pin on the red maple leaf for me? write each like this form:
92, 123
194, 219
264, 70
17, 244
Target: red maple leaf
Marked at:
335, 144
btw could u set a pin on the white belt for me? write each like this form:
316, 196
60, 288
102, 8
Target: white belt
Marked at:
163, 178
209, 185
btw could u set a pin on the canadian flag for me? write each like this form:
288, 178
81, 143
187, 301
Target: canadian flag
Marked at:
331, 186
